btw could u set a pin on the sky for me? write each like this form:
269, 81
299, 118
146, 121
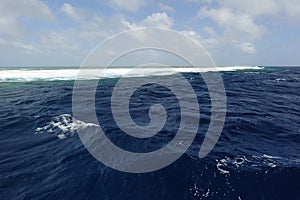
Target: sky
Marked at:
234, 32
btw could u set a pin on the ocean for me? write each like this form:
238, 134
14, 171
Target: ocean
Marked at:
256, 157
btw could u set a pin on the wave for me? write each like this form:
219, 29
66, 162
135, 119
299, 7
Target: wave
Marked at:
63, 126
260, 162
55, 74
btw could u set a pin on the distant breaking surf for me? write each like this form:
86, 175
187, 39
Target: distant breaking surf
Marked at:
61, 74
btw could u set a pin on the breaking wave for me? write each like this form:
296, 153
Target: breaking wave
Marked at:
63, 126
61, 74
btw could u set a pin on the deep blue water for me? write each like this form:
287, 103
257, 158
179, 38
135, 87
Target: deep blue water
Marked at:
256, 157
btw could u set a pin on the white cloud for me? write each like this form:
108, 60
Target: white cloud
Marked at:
59, 41
92, 26
241, 22
10, 26
209, 30
72, 12
158, 20
292, 9
129, 5
99, 28
12, 11
154, 20
207, 43
253, 7
239, 29
273, 8
16, 44
27, 47
165, 7
200, 1
32, 9
246, 47
233, 21
235, 26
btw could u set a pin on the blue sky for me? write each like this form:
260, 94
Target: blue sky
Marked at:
234, 32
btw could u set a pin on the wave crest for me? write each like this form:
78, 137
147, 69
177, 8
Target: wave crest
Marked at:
63, 126
31, 74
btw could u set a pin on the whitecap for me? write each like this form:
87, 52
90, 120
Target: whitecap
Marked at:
63, 126
280, 79
31, 74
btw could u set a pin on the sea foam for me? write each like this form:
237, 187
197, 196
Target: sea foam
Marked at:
56, 74
63, 126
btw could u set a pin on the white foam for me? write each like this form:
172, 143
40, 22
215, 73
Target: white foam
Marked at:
270, 157
280, 79
61, 136
226, 164
63, 126
222, 163
28, 75
263, 161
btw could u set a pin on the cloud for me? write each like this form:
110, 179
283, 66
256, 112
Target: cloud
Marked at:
230, 29
32, 9
206, 43
58, 40
72, 12
11, 12
292, 9
241, 24
16, 44
158, 20
289, 9
232, 21
209, 30
92, 26
165, 7
10, 26
200, 1
253, 7
128, 5
246, 47
153, 20
239, 28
